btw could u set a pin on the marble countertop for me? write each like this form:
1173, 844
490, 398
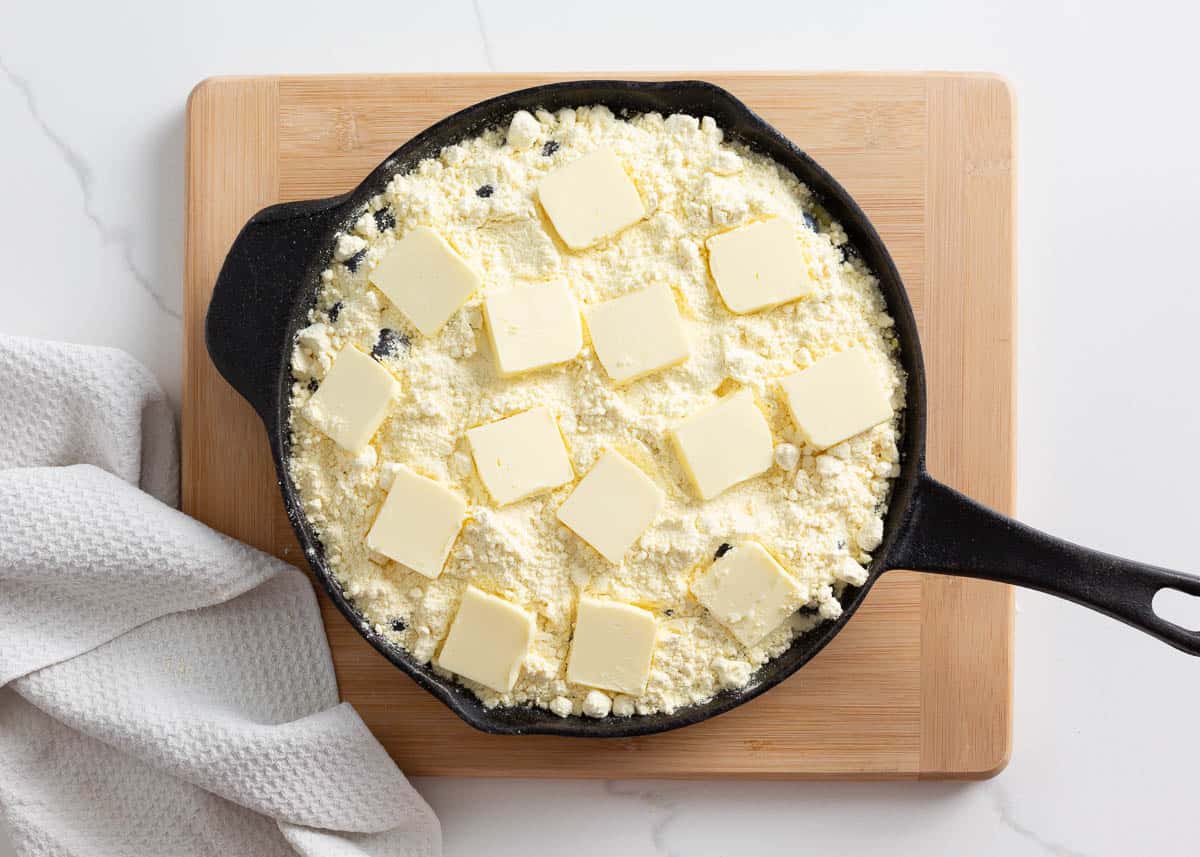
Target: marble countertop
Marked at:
91, 229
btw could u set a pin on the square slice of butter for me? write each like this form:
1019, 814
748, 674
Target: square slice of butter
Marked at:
488, 640
353, 399
748, 592
725, 443
758, 266
425, 279
612, 506
533, 326
418, 523
612, 647
836, 398
638, 333
520, 456
590, 199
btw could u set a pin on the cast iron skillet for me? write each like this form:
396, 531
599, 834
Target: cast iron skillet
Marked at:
270, 279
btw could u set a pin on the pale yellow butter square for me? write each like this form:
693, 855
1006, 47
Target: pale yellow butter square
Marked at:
520, 456
590, 199
612, 506
638, 333
613, 646
748, 592
488, 640
425, 279
353, 400
725, 443
418, 522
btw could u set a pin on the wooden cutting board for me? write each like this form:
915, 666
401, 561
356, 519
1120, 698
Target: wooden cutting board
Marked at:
919, 683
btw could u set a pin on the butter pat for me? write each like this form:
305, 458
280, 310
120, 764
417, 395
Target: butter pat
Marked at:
488, 640
724, 444
418, 523
352, 400
748, 592
520, 456
638, 334
590, 199
836, 398
425, 279
612, 506
758, 266
612, 647
533, 326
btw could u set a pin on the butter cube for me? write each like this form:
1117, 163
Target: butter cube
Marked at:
725, 443
533, 326
612, 647
353, 399
418, 523
425, 279
520, 456
612, 506
758, 266
836, 398
590, 199
748, 592
638, 333
488, 640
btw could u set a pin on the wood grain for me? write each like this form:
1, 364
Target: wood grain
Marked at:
919, 683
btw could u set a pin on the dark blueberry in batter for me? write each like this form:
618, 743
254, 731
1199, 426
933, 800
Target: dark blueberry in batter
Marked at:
313, 384
398, 625
550, 148
389, 344
354, 261
810, 222
336, 309
484, 191
384, 219
668, 612
725, 548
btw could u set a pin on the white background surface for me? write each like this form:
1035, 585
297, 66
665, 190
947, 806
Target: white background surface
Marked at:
91, 233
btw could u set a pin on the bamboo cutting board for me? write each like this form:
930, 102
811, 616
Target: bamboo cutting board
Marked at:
919, 683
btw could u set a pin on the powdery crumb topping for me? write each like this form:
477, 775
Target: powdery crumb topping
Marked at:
819, 514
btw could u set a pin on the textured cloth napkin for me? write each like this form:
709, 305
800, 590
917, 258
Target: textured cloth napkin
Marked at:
164, 690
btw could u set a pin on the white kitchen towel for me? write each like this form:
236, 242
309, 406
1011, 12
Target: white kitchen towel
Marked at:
164, 690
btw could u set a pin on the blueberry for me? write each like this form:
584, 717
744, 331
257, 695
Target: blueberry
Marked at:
810, 222
668, 612
354, 261
389, 343
335, 311
550, 148
484, 191
313, 384
398, 625
384, 219
725, 548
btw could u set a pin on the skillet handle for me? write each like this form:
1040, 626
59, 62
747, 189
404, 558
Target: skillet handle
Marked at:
949, 533
252, 303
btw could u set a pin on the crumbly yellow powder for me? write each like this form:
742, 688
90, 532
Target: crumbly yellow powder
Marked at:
816, 512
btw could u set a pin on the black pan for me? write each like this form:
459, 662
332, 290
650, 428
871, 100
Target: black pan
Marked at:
270, 280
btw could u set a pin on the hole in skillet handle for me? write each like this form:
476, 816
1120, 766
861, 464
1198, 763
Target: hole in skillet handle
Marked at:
1177, 607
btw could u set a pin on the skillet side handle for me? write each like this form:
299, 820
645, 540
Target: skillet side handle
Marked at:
949, 533
251, 305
